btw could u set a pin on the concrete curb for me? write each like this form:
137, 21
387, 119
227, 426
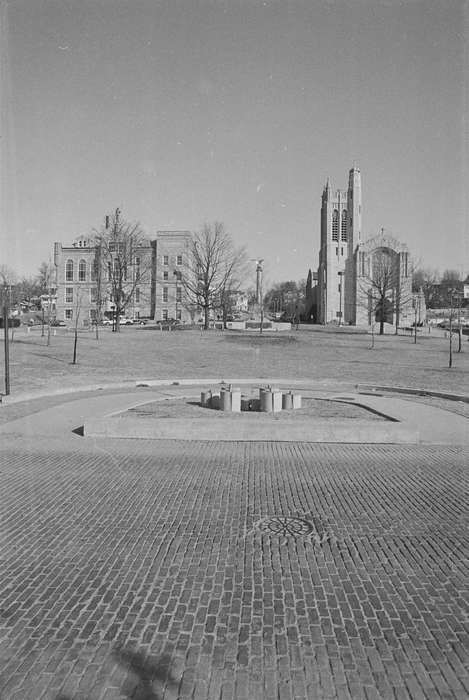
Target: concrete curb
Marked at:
131, 383
33, 395
412, 392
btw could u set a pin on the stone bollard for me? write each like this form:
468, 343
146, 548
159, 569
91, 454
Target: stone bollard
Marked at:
296, 400
276, 400
265, 400
287, 401
236, 399
205, 398
225, 399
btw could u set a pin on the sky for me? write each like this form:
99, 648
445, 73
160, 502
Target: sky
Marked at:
188, 111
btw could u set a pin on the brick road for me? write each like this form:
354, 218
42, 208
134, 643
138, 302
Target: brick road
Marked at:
145, 571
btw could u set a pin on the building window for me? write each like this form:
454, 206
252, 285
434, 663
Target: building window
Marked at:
337, 252
68, 314
405, 264
343, 226
178, 314
82, 271
69, 271
342, 251
361, 264
137, 295
137, 268
165, 294
165, 314
69, 295
94, 295
179, 260
178, 275
335, 225
165, 260
178, 294
165, 275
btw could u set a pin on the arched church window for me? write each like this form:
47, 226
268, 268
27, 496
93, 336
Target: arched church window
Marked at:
335, 225
343, 226
69, 271
82, 271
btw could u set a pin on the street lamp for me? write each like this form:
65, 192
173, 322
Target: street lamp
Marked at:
5, 342
113, 317
341, 277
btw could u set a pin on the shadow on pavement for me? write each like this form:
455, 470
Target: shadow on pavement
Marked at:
142, 673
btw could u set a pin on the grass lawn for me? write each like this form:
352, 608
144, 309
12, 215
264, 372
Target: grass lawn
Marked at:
316, 354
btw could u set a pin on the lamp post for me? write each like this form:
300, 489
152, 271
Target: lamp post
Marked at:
113, 317
416, 305
341, 277
5, 342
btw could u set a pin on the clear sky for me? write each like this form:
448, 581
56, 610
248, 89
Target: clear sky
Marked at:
188, 111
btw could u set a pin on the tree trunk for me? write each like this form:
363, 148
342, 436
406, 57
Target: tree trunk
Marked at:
206, 318
381, 326
75, 341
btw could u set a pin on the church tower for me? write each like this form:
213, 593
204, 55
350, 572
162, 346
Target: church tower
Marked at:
340, 234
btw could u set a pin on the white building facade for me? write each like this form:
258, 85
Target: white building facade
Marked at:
354, 273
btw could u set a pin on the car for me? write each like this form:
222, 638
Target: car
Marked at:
124, 321
106, 322
58, 322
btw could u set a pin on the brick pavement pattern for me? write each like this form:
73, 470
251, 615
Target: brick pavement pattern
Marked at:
146, 571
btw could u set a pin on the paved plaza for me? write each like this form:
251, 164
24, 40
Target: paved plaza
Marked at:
209, 570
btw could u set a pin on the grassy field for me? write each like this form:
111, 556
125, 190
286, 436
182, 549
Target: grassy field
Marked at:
315, 354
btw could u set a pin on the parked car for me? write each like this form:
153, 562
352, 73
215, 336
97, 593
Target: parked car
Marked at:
124, 321
57, 322
106, 322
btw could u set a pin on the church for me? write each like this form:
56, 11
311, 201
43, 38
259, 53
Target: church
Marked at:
361, 282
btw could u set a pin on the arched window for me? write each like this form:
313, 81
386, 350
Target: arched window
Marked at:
82, 271
69, 271
343, 226
335, 225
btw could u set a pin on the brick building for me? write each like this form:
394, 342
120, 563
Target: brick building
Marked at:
154, 277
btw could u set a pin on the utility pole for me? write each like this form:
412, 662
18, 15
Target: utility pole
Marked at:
6, 343
450, 361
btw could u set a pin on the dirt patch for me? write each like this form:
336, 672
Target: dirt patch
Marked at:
311, 408
255, 339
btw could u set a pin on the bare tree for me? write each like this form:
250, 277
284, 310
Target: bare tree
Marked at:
8, 282
75, 329
214, 270
122, 263
379, 289
8, 276
427, 280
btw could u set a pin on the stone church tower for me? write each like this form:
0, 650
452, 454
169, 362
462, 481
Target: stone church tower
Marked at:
341, 226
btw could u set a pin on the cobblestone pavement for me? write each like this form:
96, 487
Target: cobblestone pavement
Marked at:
151, 571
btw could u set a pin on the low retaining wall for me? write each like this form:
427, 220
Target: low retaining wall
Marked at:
251, 429
256, 326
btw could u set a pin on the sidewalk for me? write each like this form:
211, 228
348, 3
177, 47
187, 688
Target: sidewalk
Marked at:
415, 423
